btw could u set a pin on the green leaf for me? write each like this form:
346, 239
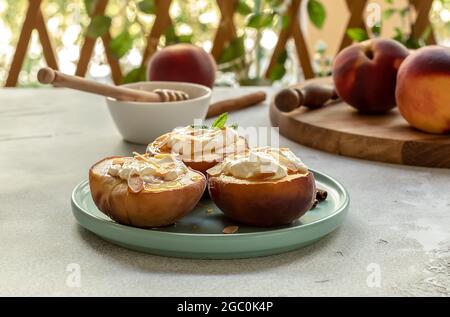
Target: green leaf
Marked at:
99, 26
147, 6
234, 50
254, 20
376, 29
220, 122
388, 13
275, 3
426, 34
121, 44
285, 21
404, 11
283, 57
242, 8
135, 75
278, 72
234, 126
260, 20
413, 43
185, 38
171, 36
90, 6
357, 34
316, 13
398, 35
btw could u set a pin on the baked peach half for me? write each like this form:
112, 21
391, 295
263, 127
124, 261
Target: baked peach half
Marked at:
263, 187
143, 191
200, 148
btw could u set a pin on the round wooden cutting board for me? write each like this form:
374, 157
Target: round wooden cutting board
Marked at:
340, 129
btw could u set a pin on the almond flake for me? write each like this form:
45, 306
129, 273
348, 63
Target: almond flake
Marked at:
135, 183
230, 229
118, 161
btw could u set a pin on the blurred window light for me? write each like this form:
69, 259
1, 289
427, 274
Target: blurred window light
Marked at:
134, 57
208, 17
445, 16
184, 29
268, 39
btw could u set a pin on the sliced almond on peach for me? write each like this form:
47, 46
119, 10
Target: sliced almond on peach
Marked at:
135, 183
118, 161
149, 207
215, 170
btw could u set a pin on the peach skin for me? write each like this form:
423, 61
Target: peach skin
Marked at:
183, 62
423, 89
365, 74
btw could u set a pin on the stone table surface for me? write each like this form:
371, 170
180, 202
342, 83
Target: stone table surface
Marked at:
395, 241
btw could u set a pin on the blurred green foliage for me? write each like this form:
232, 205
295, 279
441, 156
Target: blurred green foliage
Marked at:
402, 33
257, 15
194, 21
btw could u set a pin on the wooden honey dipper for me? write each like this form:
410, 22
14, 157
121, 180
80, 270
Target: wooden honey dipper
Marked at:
48, 75
311, 96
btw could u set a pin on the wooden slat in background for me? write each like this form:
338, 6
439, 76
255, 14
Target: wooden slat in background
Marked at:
225, 33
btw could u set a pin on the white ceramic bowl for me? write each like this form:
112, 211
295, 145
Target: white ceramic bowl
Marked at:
142, 122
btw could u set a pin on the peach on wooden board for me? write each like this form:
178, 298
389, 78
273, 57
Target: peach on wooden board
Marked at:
423, 89
184, 63
365, 74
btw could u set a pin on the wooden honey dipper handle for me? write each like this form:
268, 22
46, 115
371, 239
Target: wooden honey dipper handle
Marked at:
233, 104
312, 96
50, 76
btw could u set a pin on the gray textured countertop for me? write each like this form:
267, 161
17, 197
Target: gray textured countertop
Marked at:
395, 241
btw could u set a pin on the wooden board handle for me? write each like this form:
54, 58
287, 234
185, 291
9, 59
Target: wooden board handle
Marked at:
233, 104
50, 76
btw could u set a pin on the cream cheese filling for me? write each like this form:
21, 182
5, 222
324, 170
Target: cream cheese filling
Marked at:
262, 163
202, 144
154, 170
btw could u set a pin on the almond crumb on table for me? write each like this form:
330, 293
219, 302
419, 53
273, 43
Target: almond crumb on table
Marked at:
230, 229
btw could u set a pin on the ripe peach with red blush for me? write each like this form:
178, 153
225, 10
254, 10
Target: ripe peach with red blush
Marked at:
423, 89
365, 74
184, 63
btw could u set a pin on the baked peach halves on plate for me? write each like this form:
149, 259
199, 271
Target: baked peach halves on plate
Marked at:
145, 191
264, 187
200, 147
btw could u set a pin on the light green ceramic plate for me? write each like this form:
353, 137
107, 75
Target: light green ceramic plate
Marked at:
199, 235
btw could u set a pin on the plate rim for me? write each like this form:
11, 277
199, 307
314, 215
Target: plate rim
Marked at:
344, 205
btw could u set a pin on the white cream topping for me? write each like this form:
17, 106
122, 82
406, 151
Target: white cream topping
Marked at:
157, 169
196, 143
261, 163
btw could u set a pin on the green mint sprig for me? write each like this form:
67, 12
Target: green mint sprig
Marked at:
219, 123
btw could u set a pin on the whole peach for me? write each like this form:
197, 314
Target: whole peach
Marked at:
365, 74
182, 62
423, 89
